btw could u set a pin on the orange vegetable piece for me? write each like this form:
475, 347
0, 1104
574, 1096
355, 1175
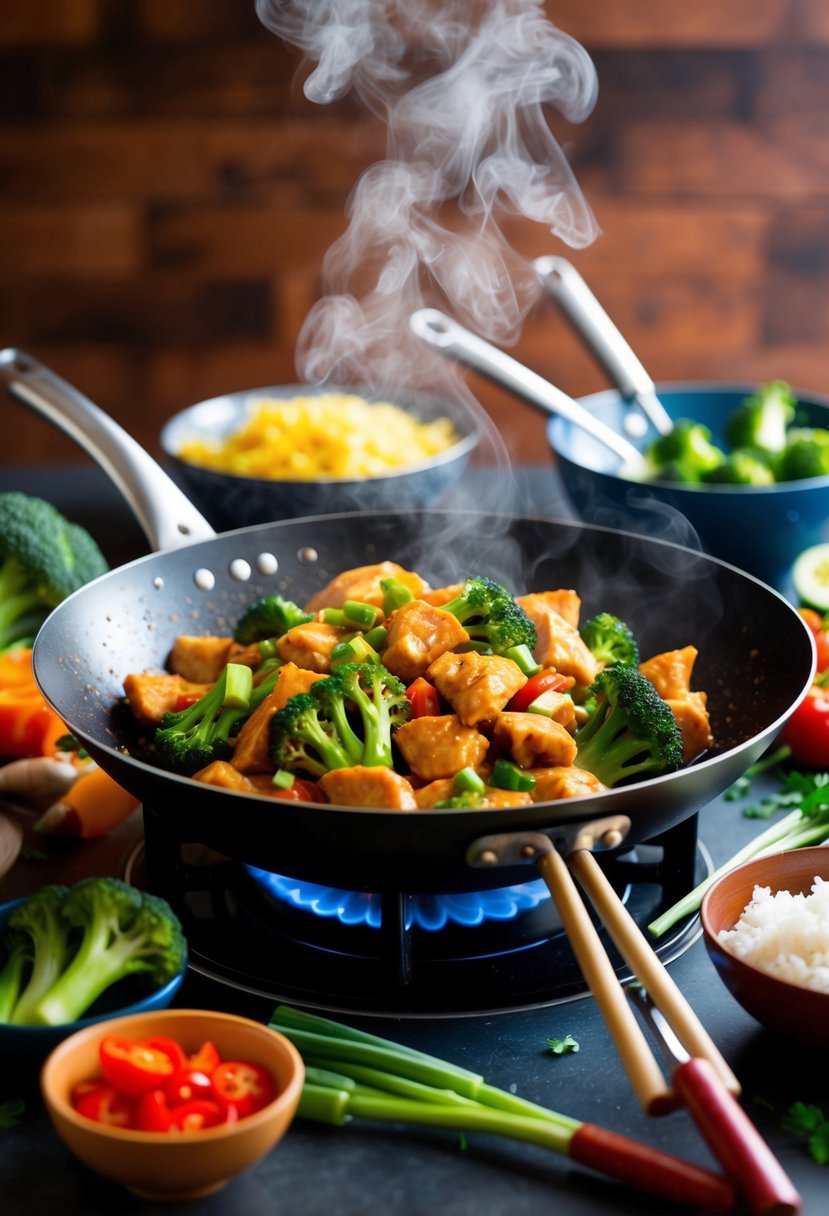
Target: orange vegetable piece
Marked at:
93, 806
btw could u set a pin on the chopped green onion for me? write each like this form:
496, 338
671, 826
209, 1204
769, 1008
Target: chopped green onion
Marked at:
357, 650
333, 616
395, 595
508, 776
376, 637
361, 614
468, 779
238, 686
266, 648
523, 656
282, 779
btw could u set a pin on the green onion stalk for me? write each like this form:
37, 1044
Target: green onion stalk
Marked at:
351, 1074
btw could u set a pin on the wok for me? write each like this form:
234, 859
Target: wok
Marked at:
756, 660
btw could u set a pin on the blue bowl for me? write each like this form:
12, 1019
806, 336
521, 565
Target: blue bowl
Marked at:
760, 529
126, 997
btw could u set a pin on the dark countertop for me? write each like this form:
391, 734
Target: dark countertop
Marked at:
360, 1169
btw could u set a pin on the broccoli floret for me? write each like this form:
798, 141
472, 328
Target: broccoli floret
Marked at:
742, 467
761, 420
610, 640
806, 454
381, 702
491, 616
630, 731
189, 739
41, 918
122, 932
465, 800
17, 956
304, 739
269, 617
685, 454
43, 559
346, 719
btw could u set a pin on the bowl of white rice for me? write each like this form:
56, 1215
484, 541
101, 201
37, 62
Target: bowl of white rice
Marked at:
766, 927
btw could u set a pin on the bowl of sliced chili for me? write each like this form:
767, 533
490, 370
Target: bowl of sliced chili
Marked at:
175, 1103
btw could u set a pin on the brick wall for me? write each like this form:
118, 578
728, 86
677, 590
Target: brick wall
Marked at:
167, 195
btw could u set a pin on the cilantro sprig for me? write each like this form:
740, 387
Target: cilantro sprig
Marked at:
806, 1120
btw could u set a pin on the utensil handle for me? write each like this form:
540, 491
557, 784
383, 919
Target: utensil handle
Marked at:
444, 334
166, 515
638, 1060
588, 318
647, 966
649, 1170
735, 1141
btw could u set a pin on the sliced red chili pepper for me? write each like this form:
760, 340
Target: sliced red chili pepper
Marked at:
205, 1059
153, 1114
196, 1115
188, 1085
299, 791
424, 697
104, 1104
245, 1086
135, 1066
548, 680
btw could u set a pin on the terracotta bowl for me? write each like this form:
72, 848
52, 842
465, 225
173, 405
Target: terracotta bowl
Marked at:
155, 1165
797, 1012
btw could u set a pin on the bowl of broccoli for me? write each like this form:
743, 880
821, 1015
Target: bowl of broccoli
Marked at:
743, 475
71, 956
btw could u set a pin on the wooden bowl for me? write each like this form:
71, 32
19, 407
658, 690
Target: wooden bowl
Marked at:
797, 1012
184, 1166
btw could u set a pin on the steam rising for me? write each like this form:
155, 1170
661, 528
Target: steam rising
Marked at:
461, 87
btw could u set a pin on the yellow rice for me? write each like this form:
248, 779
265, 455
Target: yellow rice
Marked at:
322, 436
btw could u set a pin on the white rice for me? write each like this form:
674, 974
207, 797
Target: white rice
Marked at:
785, 935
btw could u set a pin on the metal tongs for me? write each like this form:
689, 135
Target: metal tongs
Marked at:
701, 1080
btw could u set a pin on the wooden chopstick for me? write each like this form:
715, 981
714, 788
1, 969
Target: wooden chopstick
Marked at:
647, 967
637, 1058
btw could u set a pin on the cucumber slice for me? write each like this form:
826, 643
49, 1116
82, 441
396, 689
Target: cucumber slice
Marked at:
810, 576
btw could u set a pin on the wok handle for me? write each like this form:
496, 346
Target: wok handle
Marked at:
166, 515
565, 285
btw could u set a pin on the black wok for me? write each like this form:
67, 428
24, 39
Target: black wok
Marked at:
756, 658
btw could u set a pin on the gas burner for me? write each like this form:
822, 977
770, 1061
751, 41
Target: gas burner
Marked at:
399, 954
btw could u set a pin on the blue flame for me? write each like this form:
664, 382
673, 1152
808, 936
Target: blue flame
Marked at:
429, 912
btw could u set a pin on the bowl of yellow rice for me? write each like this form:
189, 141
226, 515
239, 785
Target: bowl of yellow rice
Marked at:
296, 450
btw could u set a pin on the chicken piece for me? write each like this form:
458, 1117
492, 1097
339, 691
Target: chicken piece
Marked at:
363, 786
200, 659
151, 695
363, 583
417, 635
310, 645
226, 776
440, 746
532, 739
559, 643
691, 716
670, 672
251, 752
477, 686
564, 781
564, 601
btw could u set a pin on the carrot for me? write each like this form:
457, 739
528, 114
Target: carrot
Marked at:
91, 807
28, 726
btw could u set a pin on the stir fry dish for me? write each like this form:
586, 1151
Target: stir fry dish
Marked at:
383, 691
